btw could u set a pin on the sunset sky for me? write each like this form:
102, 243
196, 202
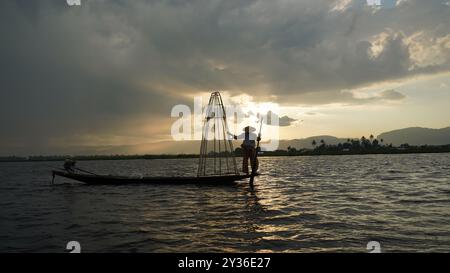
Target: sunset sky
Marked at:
108, 72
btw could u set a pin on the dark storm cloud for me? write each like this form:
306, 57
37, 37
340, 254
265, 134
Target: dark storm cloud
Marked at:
96, 69
65, 74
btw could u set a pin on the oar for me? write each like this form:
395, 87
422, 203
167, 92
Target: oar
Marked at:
252, 176
81, 170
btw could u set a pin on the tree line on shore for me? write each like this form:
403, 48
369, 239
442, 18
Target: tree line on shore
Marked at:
364, 145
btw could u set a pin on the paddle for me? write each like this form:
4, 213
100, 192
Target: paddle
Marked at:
81, 170
252, 176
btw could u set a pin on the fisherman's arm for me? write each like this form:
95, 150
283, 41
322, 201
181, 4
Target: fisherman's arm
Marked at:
241, 136
232, 135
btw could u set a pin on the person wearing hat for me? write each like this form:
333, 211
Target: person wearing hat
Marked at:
248, 147
69, 165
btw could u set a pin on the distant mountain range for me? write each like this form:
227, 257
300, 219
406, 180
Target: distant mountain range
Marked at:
417, 136
412, 136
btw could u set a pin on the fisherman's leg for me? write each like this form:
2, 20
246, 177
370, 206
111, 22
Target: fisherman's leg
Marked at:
252, 160
245, 161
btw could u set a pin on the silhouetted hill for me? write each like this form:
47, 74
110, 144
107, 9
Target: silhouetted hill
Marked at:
417, 136
307, 142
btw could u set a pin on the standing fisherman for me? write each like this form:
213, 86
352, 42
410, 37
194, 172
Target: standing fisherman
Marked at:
248, 148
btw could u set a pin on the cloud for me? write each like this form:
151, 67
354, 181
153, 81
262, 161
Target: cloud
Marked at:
283, 121
286, 121
350, 97
112, 68
391, 95
381, 97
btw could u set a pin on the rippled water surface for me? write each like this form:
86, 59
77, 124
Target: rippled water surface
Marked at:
300, 204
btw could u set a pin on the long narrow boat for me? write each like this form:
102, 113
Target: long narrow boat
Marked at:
222, 159
94, 179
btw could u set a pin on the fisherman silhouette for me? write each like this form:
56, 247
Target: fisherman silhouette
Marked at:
248, 148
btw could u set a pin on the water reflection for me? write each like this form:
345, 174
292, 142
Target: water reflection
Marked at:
298, 205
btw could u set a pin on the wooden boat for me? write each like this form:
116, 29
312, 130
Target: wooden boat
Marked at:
94, 179
222, 158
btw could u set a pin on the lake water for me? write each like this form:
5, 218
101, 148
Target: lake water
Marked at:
300, 204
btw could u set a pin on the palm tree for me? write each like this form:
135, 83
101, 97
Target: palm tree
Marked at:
322, 142
314, 143
371, 137
364, 142
291, 149
375, 143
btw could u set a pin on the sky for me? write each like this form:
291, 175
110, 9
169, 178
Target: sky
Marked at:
109, 72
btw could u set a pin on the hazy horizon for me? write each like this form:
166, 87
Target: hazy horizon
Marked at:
172, 147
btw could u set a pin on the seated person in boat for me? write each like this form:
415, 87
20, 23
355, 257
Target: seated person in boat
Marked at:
69, 165
249, 148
